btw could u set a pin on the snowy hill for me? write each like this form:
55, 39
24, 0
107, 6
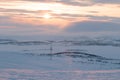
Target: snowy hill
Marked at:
48, 60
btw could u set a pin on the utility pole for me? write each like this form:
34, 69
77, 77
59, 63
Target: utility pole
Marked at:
51, 49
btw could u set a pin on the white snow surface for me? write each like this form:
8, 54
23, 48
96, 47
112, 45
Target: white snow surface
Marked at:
26, 60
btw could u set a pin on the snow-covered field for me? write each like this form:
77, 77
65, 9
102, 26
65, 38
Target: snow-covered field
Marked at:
24, 74
77, 59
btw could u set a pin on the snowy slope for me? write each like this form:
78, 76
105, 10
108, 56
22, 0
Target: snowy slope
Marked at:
80, 59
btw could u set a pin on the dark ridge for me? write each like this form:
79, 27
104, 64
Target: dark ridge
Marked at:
30, 43
78, 42
5, 40
96, 43
81, 57
15, 42
79, 54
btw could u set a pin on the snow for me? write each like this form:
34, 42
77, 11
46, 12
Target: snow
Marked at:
59, 60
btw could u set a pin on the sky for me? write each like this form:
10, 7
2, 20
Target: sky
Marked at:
59, 17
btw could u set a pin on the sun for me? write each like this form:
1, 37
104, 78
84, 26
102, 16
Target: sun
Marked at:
47, 16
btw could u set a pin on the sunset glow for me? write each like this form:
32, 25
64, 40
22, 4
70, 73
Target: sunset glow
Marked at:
59, 39
47, 16
59, 14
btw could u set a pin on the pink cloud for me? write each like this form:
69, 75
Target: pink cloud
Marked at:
7, 27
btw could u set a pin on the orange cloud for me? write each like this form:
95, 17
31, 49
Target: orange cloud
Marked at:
60, 23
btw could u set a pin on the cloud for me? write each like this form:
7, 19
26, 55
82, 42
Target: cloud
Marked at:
67, 2
28, 15
93, 26
88, 2
107, 1
18, 26
14, 10
75, 2
104, 18
31, 7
